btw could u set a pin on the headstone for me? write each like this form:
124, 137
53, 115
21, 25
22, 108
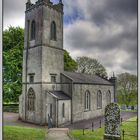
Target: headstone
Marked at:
112, 122
129, 107
135, 107
132, 107
123, 107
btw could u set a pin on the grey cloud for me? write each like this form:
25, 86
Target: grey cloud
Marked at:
108, 28
130, 65
115, 10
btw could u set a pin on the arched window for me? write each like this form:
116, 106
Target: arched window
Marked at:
33, 31
87, 100
99, 99
31, 100
53, 31
63, 110
108, 97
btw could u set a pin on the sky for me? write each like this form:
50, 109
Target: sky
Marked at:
102, 29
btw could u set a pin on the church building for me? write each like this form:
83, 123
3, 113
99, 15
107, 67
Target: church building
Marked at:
49, 92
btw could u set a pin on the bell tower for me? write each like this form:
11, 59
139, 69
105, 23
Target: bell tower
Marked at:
43, 58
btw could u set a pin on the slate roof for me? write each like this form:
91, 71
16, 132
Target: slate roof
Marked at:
60, 95
83, 78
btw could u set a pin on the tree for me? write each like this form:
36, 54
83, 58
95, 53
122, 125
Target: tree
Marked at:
13, 39
127, 89
69, 63
90, 66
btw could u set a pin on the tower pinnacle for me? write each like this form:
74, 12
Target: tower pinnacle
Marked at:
28, 1
60, 1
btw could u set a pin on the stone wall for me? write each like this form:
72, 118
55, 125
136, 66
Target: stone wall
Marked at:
66, 86
52, 63
78, 111
50, 100
67, 117
49, 15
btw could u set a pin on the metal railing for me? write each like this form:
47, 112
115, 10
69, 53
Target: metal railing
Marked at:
127, 133
50, 124
124, 133
93, 126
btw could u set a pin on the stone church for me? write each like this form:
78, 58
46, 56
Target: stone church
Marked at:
48, 91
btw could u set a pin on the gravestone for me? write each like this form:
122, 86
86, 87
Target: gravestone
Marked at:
112, 122
123, 107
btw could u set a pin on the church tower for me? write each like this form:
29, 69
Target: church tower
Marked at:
42, 57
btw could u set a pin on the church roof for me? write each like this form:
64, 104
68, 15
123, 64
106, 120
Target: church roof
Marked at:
60, 95
83, 78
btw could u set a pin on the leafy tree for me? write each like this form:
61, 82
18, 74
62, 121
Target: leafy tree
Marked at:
90, 66
13, 40
127, 89
69, 63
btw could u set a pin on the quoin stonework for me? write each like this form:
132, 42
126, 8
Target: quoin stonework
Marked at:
112, 122
48, 90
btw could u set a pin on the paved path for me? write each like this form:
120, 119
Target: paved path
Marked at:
88, 123
58, 134
12, 119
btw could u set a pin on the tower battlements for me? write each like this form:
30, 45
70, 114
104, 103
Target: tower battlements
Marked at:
31, 6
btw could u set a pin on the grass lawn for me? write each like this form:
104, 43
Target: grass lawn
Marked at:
129, 127
23, 133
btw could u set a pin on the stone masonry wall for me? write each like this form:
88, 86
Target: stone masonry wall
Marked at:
66, 86
67, 117
78, 111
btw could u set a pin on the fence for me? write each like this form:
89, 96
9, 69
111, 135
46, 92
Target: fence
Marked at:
127, 133
99, 123
93, 126
124, 133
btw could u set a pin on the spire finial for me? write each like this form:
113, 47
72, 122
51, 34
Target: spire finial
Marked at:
113, 74
60, 1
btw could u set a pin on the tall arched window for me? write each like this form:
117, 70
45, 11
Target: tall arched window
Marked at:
31, 100
87, 100
53, 30
33, 30
63, 110
99, 99
108, 97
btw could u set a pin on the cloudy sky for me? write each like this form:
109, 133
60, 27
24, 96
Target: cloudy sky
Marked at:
101, 29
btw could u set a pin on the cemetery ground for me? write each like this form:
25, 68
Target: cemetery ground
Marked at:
26, 131
129, 126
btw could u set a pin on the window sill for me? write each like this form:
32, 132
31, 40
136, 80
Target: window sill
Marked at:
87, 110
99, 108
32, 39
53, 39
31, 111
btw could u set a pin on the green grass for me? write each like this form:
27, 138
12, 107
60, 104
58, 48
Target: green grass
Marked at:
129, 127
23, 133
